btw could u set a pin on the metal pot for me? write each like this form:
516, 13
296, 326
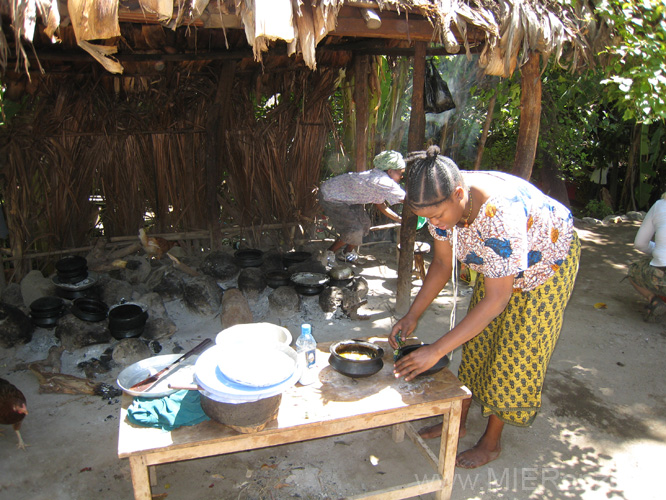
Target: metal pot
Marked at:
355, 358
442, 363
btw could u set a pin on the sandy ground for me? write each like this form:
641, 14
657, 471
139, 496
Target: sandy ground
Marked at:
601, 433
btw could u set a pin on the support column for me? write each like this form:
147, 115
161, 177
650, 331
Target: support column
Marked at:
361, 104
415, 140
530, 117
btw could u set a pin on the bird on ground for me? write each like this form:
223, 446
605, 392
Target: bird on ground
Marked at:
155, 245
12, 408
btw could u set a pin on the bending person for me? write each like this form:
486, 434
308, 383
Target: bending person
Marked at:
648, 275
524, 248
343, 199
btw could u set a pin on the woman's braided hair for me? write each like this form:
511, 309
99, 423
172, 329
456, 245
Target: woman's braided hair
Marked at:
432, 178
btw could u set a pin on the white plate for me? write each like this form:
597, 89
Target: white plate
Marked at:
219, 387
257, 365
258, 333
182, 375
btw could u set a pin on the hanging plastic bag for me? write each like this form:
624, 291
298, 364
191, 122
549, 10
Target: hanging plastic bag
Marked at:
436, 97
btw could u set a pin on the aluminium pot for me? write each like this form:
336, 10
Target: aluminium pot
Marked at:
356, 358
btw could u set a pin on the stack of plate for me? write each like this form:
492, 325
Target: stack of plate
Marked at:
243, 372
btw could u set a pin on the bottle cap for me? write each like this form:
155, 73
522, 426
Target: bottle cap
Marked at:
306, 328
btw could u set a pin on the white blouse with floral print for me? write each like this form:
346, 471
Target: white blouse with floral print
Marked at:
520, 232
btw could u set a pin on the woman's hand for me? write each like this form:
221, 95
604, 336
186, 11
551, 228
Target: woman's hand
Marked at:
416, 362
404, 327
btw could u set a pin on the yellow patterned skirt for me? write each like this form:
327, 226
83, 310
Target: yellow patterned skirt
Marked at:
505, 365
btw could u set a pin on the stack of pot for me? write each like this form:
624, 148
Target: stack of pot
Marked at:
246, 405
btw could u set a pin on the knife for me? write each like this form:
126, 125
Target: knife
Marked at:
147, 383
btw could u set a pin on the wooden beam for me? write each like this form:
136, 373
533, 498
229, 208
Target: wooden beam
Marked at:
351, 24
361, 64
530, 116
415, 140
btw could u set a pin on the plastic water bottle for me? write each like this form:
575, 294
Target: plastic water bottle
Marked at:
306, 347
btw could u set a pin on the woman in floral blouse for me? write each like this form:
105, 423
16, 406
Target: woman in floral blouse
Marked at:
524, 248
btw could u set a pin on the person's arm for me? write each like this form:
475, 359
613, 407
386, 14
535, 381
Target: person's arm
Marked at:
643, 240
498, 293
383, 208
439, 273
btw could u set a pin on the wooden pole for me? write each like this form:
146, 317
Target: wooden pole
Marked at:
415, 140
530, 117
361, 101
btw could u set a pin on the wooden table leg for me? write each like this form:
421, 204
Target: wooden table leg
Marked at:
448, 449
140, 479
398, 432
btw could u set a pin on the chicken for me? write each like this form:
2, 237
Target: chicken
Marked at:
155, 245
12, 408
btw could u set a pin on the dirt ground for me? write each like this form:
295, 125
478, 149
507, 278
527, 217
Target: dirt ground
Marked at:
601, 432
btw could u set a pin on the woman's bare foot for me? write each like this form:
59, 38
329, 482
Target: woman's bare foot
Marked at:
434, 431
477, 456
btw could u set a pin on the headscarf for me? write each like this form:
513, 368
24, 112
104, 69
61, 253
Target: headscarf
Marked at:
389, 160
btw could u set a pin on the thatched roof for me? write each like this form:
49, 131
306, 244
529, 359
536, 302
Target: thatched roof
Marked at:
502, 31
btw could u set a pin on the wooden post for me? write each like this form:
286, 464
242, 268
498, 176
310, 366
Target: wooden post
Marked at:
216, 124
530, 116
415, 140
361, 101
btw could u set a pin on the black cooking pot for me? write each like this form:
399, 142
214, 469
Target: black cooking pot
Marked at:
292, 258
442, 363
45, 311
46, 305
276, 279
309, 283
127, 320
71, 264
73, 294
89, 309
249, 257
355, 358
45, 322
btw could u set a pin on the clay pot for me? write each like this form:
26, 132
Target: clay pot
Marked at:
45, 311
89, 309
309, 283
276, 279
442, 363
127, 320
242, 417
72, 269
343, 355
249, 257
291, 258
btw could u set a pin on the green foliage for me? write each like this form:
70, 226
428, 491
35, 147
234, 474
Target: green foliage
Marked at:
636, 76
598, 209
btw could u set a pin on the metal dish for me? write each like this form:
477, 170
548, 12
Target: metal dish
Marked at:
182, 376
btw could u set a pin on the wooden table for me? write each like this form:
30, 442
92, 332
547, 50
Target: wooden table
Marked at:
333, 405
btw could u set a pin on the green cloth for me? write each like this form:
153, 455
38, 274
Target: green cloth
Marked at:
170, 412
389, 160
